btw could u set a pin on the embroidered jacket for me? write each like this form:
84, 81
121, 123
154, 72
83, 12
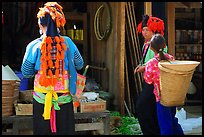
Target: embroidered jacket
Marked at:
31, 61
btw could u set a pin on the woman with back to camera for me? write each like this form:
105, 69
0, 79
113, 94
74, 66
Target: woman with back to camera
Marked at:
168, 123
146, 102
53, 60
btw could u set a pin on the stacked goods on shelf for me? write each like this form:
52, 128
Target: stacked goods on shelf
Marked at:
10, 90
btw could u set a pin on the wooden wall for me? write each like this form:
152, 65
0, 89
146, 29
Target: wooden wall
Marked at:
109, 53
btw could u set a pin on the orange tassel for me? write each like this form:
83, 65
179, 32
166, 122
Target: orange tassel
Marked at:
57, 72
50, 73
48, 57
59, 47
62, 54
62, 81
54, 81
82, 83
41, 80
63, 73
57, 63
49, 47
63, 46
46, 82
49, 40
42, 59
63, 21
43, 48
57, 23
57, 39
50, 63
78, 82
58, 55
62, 39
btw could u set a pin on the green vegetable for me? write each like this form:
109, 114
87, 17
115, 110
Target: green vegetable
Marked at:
129, 126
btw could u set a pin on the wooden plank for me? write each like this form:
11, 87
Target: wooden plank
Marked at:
88, 126
28, 120
171, 27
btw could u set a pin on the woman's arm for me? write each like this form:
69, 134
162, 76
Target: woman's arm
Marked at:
29, 59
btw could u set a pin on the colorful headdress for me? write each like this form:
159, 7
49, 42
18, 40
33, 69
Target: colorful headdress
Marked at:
52, 46
55, 11
154, 24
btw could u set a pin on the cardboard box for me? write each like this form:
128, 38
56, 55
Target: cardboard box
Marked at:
95, 106
24, 109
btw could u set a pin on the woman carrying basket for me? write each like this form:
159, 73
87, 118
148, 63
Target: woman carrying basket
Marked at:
53, 60
168, 123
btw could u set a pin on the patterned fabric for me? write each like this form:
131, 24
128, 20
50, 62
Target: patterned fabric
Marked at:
60, 85
152, 73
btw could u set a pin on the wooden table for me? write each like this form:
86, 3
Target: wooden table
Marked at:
18, 123
26, 122
104, 124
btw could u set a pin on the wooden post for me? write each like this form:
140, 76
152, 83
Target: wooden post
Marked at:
148, 8
121, 38
171, 27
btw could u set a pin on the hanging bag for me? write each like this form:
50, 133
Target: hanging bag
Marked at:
81, 79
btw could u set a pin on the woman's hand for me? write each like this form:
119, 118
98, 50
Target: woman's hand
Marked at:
139, 68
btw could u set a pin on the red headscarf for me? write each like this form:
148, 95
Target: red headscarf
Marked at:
154, 24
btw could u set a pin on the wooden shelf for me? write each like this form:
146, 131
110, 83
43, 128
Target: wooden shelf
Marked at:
188, 42
76, 17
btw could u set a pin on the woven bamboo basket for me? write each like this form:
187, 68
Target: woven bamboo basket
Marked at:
180, 65
174, 85
10, 90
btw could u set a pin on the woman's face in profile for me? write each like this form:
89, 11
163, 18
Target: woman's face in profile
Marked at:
146, 33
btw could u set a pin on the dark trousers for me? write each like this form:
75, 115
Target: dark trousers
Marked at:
146, 111
167, 121
64, 120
